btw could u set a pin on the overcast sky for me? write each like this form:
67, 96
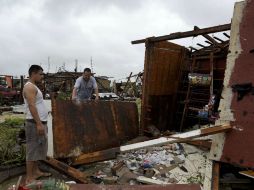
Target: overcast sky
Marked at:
65, 30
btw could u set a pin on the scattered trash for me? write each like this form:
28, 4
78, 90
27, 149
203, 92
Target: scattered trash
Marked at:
173, 163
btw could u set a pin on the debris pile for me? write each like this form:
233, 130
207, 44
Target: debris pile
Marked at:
174, 163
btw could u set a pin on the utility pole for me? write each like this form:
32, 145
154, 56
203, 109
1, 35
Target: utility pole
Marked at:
48, 64
91, 64
76, 65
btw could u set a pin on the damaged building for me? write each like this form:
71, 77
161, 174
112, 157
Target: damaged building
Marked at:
195, 130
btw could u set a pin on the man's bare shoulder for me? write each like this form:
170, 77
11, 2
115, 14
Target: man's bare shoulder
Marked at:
29, 87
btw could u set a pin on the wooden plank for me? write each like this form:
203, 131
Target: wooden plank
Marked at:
70, 171
183, 137
216, 176
18, 183
202, 144
96, 156
208, 37
11, 172
236, 181
248, 173
191, 33
201, 45
218, 39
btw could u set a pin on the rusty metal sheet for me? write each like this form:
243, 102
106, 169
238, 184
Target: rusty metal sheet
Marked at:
90, 127
134, 187
238, 144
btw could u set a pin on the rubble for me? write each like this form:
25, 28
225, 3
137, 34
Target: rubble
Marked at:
169, 164
164, 160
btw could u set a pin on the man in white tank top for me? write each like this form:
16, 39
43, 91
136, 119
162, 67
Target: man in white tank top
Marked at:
36, 124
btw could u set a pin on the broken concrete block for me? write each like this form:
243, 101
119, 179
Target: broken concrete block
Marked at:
110, 180
183, 169
117, 167
177, 160
164, 169
153, 130
132, 165
149, 173
147, 180
126, 177
122, 171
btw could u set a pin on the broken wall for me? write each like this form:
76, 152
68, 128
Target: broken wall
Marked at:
236, 147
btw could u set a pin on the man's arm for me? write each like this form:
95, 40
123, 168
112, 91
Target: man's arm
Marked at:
30, 95
74, 93
97, 93
95, 87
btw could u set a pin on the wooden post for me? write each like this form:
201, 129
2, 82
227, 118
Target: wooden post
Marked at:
216, 176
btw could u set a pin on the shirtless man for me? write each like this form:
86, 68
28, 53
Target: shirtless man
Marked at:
36, 124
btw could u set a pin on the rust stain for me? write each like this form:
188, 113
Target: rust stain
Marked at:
90, 127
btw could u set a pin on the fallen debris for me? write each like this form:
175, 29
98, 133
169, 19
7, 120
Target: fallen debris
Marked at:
248, 173
150, 181
96, 156
72, 172
182, 137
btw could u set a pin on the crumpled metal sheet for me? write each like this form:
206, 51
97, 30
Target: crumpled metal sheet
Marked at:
92, 126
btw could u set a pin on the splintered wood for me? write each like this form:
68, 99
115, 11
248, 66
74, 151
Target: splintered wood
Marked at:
182, 137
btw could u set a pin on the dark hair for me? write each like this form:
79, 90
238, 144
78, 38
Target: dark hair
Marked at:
87, 70
34, 69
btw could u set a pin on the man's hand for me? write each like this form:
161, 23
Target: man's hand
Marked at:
40, 129
96, 98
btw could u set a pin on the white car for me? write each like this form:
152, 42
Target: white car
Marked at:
107, 96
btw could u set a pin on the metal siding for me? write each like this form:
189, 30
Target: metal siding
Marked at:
91, 126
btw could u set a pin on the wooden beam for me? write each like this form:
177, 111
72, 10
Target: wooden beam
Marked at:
182, 137
202, 144
191, 33
70, 171
192, 48
208, 42
213, 41
201, 45
248, 173
216, 176
225, 34
96, 156
218, 39
126, 84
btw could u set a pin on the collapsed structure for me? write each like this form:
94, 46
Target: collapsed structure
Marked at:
182, 87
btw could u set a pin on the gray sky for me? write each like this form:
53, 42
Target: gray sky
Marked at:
66, 30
